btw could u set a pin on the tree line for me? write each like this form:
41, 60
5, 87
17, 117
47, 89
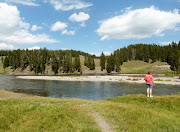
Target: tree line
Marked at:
145, 52
69, 61
37, 60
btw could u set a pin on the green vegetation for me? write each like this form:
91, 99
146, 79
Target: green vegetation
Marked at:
89, 62
161, 80
151, 53
102, 61
140, 67
135, 79
168, 80
158, 80
69, 61
39, 61
124, 113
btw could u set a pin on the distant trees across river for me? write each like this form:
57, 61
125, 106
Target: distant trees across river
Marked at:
69, 61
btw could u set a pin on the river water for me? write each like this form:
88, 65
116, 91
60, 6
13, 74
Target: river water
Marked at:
83, 90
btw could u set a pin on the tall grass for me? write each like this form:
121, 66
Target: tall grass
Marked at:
124, 113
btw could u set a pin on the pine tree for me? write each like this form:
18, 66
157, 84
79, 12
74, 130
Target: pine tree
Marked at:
110, 64
67, 63
55, 65
102, 61
77, 64
2, 59
117, 64
146, 53
6, 62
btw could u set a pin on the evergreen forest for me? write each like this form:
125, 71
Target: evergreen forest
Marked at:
68, 61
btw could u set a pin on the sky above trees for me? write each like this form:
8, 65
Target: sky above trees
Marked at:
91, 26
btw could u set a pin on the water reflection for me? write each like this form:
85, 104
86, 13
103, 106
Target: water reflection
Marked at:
32, 91
83, 90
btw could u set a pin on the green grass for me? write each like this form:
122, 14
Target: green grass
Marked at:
124, 113
43, 114
158, 80
135, 79
141, 67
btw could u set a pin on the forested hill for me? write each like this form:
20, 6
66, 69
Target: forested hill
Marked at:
147, 53
38, 61
70, 61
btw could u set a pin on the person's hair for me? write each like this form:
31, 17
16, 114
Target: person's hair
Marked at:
149, 72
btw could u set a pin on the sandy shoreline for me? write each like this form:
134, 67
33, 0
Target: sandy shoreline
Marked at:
124, 78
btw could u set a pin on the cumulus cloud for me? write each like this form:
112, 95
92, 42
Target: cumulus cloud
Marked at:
139, 23
23, 2
65, 32
33, 48
13, 30
67, 5
4, 46
58, 26
81, 17
35, 28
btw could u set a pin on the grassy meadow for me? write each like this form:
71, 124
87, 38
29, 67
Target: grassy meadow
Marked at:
140, 67
19, 112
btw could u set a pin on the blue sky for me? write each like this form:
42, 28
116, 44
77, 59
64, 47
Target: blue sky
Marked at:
91, 26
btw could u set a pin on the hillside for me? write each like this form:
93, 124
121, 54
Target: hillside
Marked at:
134, 66
20, 112
137, 66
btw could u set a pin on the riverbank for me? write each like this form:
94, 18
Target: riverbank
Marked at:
21, 112
131, 78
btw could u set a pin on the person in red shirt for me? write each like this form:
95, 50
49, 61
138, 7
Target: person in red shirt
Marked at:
149, 83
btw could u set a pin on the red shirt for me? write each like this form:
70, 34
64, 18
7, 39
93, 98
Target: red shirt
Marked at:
148, 79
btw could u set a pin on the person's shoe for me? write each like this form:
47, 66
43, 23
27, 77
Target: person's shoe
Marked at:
151, 96
147, 95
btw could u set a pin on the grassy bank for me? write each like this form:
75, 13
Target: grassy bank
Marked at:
19, 112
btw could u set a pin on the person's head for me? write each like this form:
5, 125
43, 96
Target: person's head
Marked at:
149, 73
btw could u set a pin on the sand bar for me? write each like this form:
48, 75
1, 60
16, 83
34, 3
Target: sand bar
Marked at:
124, 78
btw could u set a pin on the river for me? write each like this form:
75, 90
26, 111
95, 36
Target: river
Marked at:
82, 90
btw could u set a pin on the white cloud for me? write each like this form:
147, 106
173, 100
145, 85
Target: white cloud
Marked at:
168, 42
4, 46
81, 17
99, 53
14, 31
23, 37
65, 49
33, 48
65, 32
23, 2
35, 28
58, 26
139, 23
67, 5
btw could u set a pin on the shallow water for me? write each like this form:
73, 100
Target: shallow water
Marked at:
83, 90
